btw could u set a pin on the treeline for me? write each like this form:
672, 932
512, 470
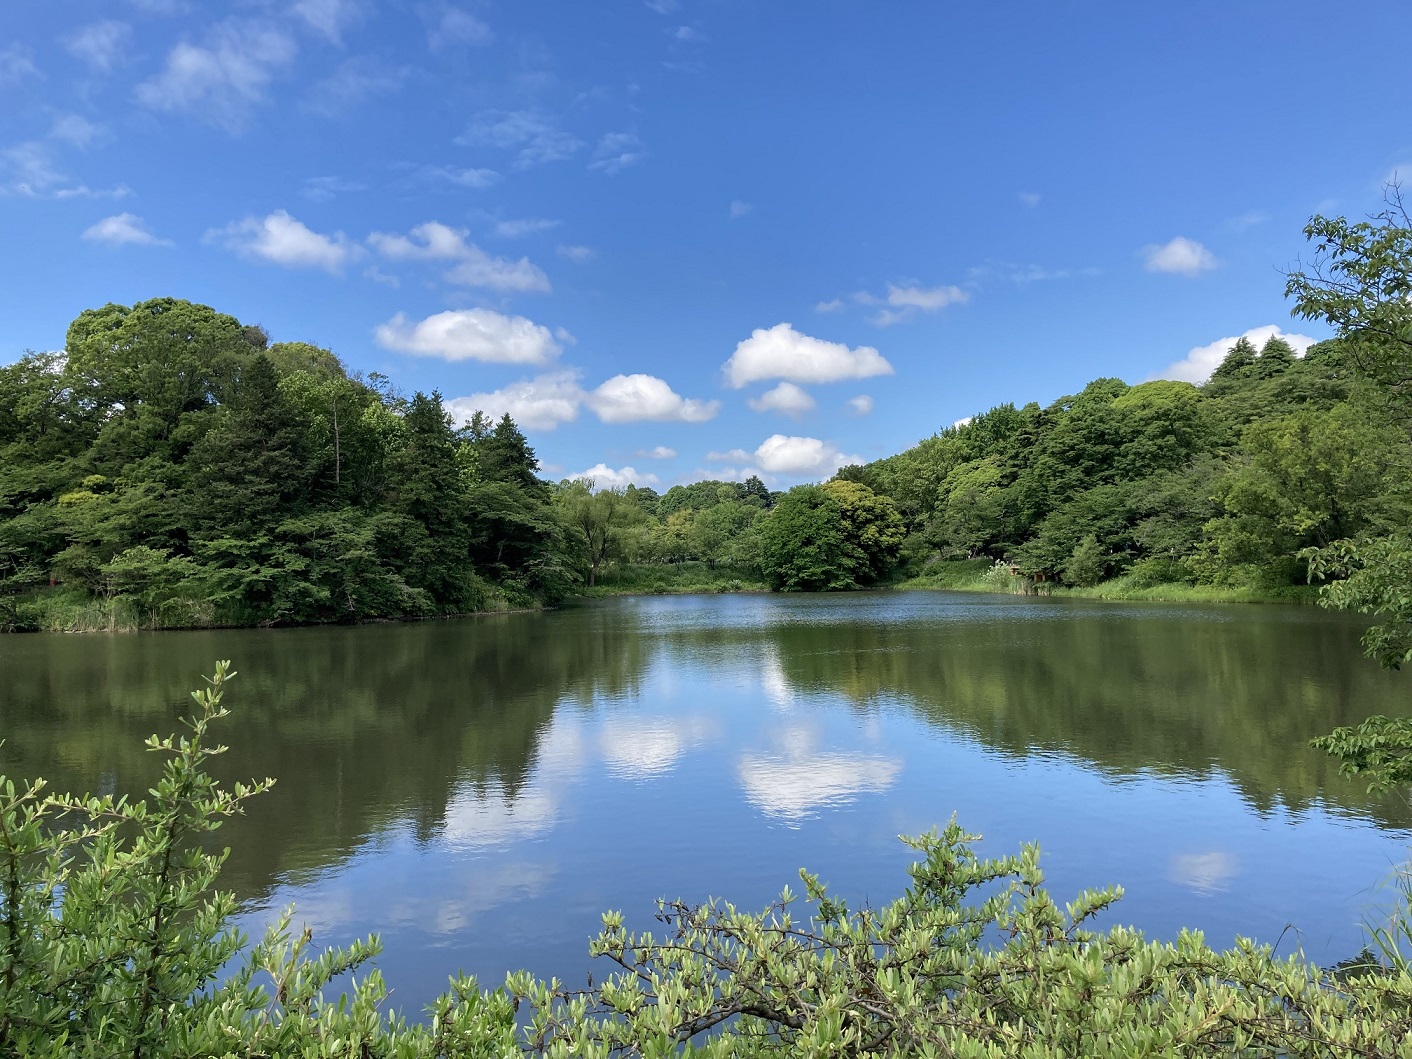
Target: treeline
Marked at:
1226, 483
172, 467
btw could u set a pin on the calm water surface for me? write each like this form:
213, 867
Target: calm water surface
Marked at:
478, 791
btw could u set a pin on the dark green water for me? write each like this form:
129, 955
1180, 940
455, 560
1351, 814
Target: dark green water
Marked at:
478, 791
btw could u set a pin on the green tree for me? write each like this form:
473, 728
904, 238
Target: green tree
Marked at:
805, 546
1086, 563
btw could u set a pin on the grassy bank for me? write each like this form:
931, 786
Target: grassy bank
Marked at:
72, 610
981, 575
672, 579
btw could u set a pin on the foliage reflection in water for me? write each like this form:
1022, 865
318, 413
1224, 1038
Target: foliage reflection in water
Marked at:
479, 791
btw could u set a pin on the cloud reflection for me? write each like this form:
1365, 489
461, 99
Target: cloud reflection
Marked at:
1204, 873
638, 749
487, 819
793, 788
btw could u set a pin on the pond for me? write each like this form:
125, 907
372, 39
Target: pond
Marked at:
478, 791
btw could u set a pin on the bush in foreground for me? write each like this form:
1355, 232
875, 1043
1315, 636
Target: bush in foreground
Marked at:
114, 941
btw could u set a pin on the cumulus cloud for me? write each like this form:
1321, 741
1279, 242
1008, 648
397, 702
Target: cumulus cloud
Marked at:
604, 477
102, 45
554, 398
785, 398
123, 228
781, 352
659, 452
634, 398
473, 267
616, 151
355, 81
1201, 361
220, 81
541, 403
282, 240
470, 334
1181, 257
740, 209
780, 454
535, 137
861, 405
731, 456
833, 305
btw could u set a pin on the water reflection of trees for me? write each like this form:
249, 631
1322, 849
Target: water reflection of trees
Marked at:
362, 727
1169, 695
399, 724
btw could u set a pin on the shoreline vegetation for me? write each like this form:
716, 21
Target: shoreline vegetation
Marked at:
172, 467
68, 612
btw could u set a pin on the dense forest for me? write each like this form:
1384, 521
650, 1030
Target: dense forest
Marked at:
173, 467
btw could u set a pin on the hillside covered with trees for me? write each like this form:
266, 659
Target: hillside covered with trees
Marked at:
173, 467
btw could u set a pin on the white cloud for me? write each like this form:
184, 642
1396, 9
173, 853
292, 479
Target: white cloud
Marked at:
1182, 257
479, 269
537, 136
221, 82
785, 398
616, 151
323, 188
330, 18
123, 228
740, 209
473, 267
1201, 361
663, 7
102, 45
1029, 198
780, 454
903, 302
833, 305
781, 352
861, 405
731, 456
604, 477
454, 27
541, 403
282, 240
964, 421
16, 66
73, 129
525, 226
470, 334
577, 254
634, 398
659, 452
466, 178
356, 79
928, 299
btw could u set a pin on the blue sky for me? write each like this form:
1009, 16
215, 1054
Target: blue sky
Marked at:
696, 238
